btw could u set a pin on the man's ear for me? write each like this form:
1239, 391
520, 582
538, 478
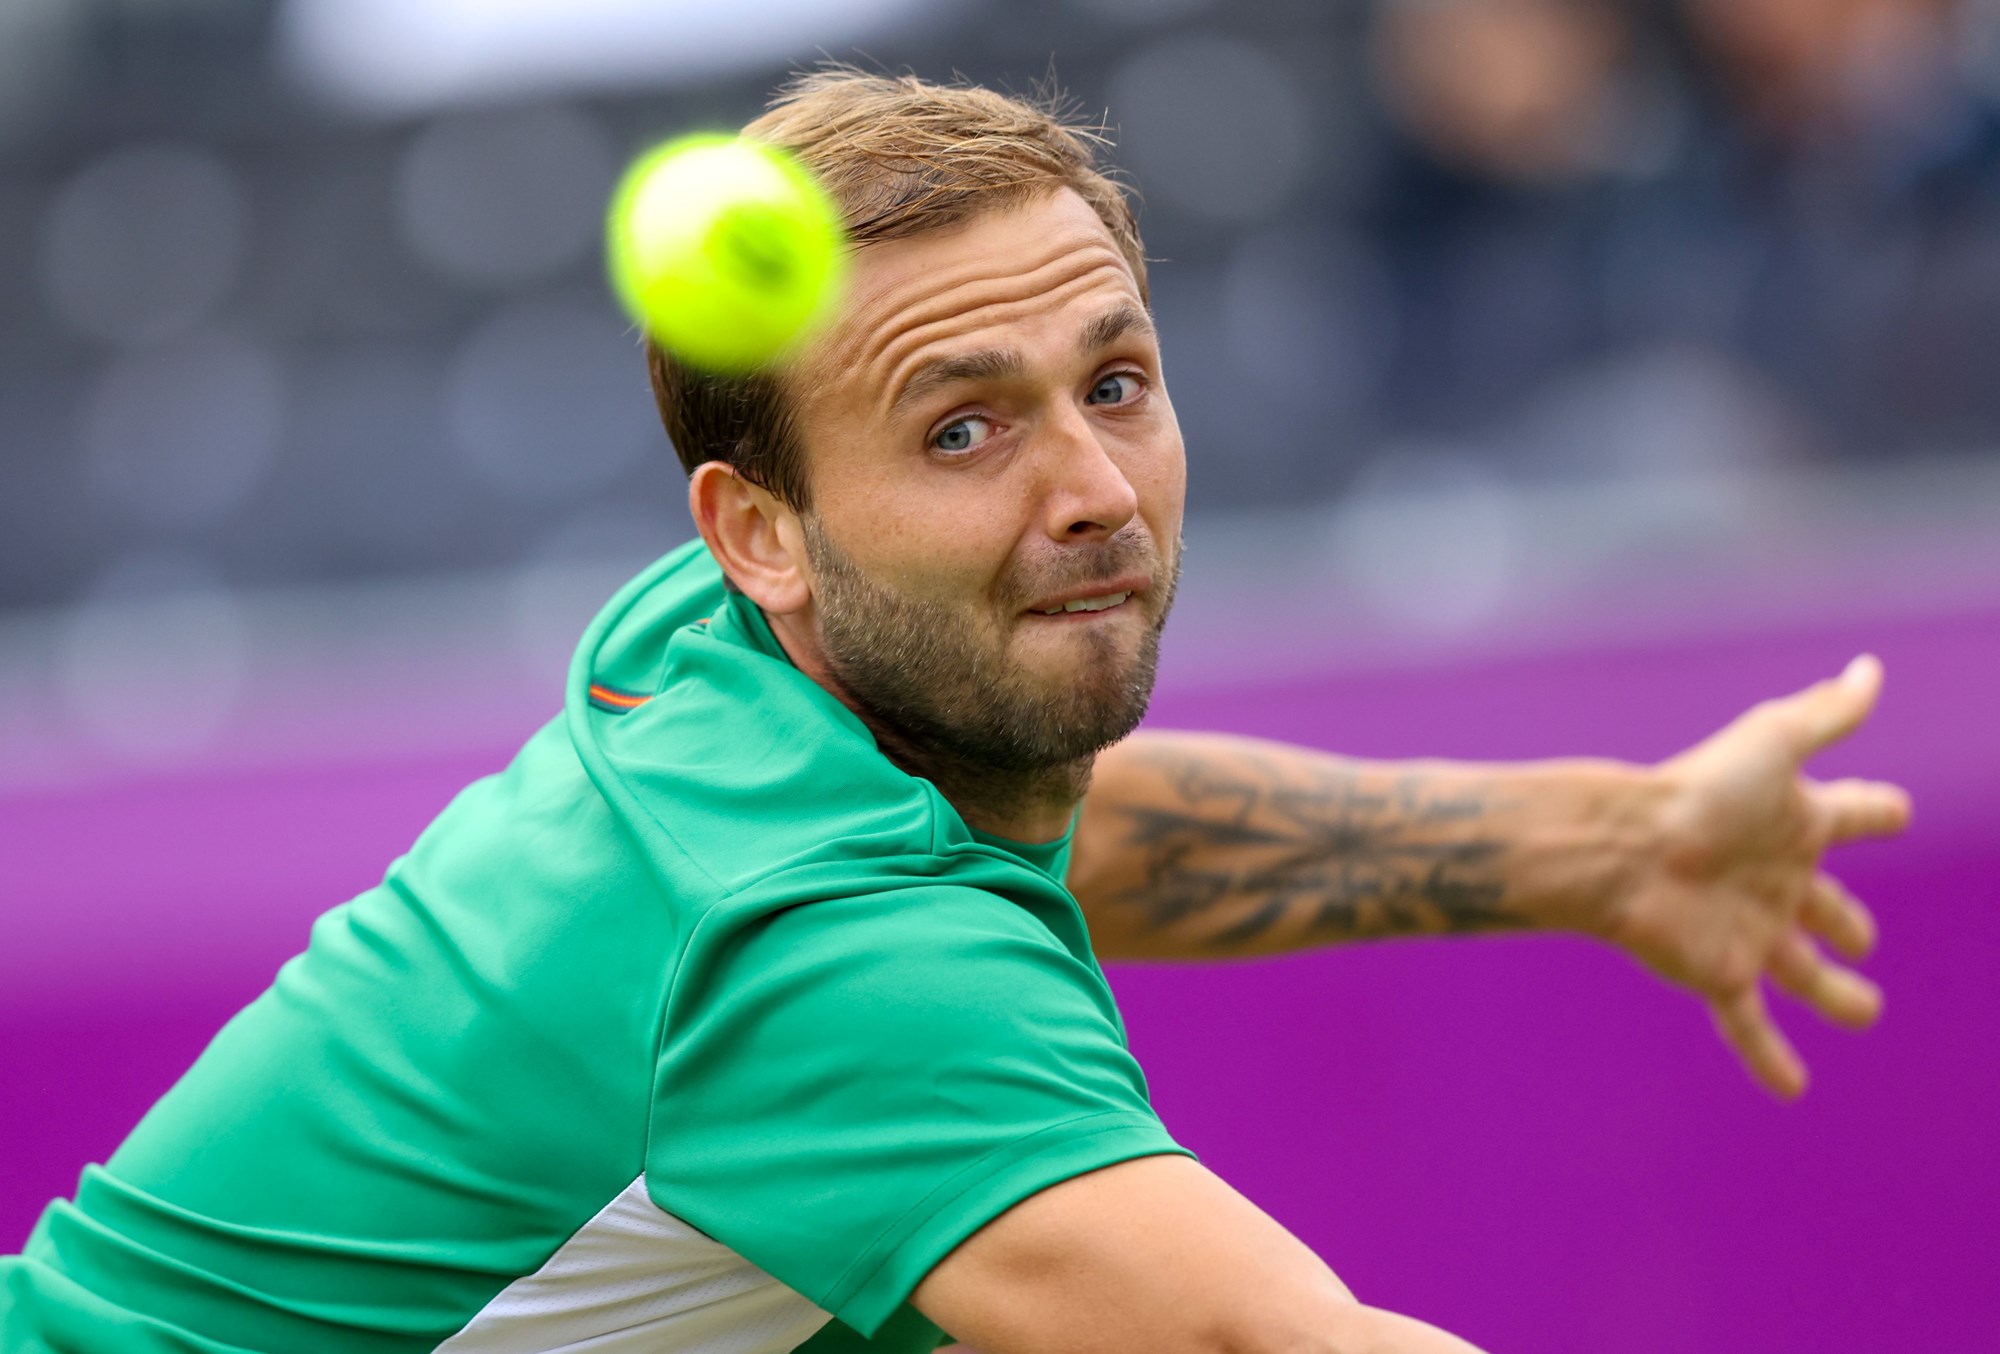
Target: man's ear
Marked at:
754, 536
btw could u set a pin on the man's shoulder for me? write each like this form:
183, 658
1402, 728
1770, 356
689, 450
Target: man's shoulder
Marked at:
717, 755
621, 659
744, 784
718, 767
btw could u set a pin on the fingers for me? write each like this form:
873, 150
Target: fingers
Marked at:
1860, 808
1796, 966
1839, 918
1745, 1025
1837, 993
1828, 711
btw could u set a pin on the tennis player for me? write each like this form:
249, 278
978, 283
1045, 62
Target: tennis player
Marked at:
756, 1006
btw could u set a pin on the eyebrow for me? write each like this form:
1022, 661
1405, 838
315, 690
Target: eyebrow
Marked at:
1113, 325
987, 364
1000, 364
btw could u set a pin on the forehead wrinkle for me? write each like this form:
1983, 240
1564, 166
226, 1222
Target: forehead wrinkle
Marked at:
944, 288
902, 352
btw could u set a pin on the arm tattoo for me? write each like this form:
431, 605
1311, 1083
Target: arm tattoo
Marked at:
1350, 854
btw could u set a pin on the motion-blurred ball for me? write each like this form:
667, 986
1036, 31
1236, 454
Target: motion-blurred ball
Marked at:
724, 250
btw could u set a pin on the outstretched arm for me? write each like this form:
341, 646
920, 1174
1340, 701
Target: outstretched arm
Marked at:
1704, 867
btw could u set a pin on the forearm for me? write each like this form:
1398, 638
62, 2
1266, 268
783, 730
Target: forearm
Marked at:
1198, 846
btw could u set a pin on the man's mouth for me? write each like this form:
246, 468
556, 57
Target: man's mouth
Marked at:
1102, 602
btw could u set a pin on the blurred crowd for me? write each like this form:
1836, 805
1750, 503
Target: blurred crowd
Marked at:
1770, 221
248, 332
1641, 238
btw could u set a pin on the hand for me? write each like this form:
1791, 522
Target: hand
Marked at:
1735, 892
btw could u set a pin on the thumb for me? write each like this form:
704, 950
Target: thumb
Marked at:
1828, 711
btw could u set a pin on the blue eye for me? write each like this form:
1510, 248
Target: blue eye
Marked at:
1117, 388
962, 434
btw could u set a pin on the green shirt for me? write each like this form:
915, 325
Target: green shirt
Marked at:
700, 1027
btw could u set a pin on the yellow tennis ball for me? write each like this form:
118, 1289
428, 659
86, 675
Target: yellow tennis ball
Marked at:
725, 250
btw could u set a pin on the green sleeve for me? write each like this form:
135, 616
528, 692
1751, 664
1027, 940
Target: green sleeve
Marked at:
849, 1088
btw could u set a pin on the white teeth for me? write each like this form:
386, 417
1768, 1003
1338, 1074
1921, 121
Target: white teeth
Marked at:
1103, 603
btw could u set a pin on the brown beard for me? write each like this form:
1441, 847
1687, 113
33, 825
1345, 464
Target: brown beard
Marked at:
945, 702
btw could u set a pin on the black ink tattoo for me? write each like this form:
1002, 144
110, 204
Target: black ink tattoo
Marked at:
1342, 855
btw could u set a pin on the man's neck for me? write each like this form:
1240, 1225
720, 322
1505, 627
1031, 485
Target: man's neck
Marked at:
1023, 806
1027, 806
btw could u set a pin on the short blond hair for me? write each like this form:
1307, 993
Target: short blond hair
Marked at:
900, 157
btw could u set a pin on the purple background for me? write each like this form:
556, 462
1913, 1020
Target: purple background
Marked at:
1523, 1139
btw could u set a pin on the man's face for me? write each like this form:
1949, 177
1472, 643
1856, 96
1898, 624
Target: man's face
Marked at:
989, 442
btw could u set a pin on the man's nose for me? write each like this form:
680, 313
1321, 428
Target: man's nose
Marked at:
1088, 496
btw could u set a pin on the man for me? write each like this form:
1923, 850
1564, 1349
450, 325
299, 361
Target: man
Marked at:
753, 1007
